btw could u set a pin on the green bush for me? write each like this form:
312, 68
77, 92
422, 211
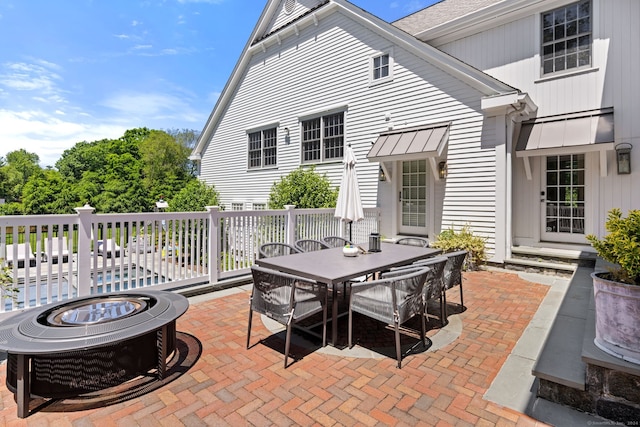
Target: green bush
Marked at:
621, 245
6, 282
304, 188
449, 241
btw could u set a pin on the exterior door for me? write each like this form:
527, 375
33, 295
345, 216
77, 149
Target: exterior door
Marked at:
563, 196
413, 197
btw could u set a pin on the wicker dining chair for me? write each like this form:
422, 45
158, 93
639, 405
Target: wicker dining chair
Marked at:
336, 241
413, 241
453, 272
434, 285
392, 300
287, 299
310, 245
269, 250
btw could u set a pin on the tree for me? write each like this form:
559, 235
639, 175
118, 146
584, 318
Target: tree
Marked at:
46, 193
164, 164
194, 197
19, 167
305, 189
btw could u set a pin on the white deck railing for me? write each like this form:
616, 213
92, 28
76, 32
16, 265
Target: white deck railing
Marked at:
57, 257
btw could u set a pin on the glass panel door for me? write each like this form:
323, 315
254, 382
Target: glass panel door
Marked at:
413, 198
564, 207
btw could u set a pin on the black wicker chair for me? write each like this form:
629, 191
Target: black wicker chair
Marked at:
413, 241
269, 250
336, 241
286, 299
434, 286
453, 272
392, 300
310, 245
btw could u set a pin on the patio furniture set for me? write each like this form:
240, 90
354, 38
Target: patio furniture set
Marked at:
293, 283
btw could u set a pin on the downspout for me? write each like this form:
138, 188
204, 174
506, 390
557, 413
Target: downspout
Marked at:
512, 118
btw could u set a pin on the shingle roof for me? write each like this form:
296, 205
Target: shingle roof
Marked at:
439, 13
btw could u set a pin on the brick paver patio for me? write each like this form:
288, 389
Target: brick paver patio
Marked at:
229, 385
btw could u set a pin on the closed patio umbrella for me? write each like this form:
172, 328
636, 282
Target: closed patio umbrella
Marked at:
349, 205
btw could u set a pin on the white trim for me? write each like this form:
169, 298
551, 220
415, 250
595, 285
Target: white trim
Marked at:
332, 109
262, 127
603, 148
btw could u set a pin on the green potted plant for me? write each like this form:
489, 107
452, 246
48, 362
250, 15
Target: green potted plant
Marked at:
617, 290
6, 281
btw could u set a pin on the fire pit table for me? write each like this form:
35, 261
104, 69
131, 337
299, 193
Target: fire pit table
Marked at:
86, 344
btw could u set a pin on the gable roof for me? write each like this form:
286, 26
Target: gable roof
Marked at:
264, 36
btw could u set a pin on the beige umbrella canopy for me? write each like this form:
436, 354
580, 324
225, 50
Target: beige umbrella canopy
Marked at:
349, 205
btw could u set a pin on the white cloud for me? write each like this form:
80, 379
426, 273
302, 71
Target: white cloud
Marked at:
23, 76
152, 107
48, 136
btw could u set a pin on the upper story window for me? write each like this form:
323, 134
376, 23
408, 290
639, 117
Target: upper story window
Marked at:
381, 67
263, 148
237, 206
323, 138
567, 37
259, 206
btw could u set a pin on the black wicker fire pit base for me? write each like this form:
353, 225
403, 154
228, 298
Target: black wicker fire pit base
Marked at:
90, 343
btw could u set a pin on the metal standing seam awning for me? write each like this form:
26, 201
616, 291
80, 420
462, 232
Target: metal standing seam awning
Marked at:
579, 132
412, 144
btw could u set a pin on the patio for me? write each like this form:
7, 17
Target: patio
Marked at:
229, 385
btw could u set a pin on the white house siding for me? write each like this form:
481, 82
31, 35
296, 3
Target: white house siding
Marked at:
328, 65
510, 52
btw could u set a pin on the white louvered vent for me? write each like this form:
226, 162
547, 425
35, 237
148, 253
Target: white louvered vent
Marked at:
289, 6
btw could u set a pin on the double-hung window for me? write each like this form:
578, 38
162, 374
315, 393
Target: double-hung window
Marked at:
263, 148
567, 37
323, 138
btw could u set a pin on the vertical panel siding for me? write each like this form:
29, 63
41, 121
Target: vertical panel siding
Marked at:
510, 53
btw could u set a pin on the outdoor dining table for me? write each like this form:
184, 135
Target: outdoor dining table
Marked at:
332, 267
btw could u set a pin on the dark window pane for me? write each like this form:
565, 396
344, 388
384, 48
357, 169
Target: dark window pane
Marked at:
572, 12
572, 45
558, 48
559, 63
565, 162
572, 29
552, 163
552, 178
547, 35
552, 194
583, 9
547, 51
584, 58
548, 66
584, 42
559, 32
547, 20
579, 161
572, 61
565, 178
584, 25
558, 16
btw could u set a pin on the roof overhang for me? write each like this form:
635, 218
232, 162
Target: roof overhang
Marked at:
589, 131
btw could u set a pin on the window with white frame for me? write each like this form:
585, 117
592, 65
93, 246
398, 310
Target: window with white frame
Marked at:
567, 37
263, 148
259, 206
323, 138
237, 206
380, 66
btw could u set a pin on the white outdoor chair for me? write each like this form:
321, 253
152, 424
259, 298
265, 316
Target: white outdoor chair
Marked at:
20, 253
58, 249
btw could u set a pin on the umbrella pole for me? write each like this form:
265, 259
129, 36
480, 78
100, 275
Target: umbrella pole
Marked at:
350, 225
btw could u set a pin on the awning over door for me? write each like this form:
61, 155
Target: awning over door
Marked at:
571, 133
410, 143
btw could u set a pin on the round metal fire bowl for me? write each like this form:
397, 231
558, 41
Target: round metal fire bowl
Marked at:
70, 359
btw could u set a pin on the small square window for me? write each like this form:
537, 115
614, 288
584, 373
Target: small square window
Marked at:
381, 67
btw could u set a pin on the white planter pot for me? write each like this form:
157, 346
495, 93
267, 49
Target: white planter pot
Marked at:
617, 318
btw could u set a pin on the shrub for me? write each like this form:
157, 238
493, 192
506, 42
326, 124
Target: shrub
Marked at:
449, 241
304, 188
6, 282
621, 246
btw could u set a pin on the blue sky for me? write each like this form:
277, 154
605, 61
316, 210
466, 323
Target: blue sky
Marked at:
84, 70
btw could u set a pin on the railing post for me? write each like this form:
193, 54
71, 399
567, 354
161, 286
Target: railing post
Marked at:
84, 250
291, 224
214, 241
